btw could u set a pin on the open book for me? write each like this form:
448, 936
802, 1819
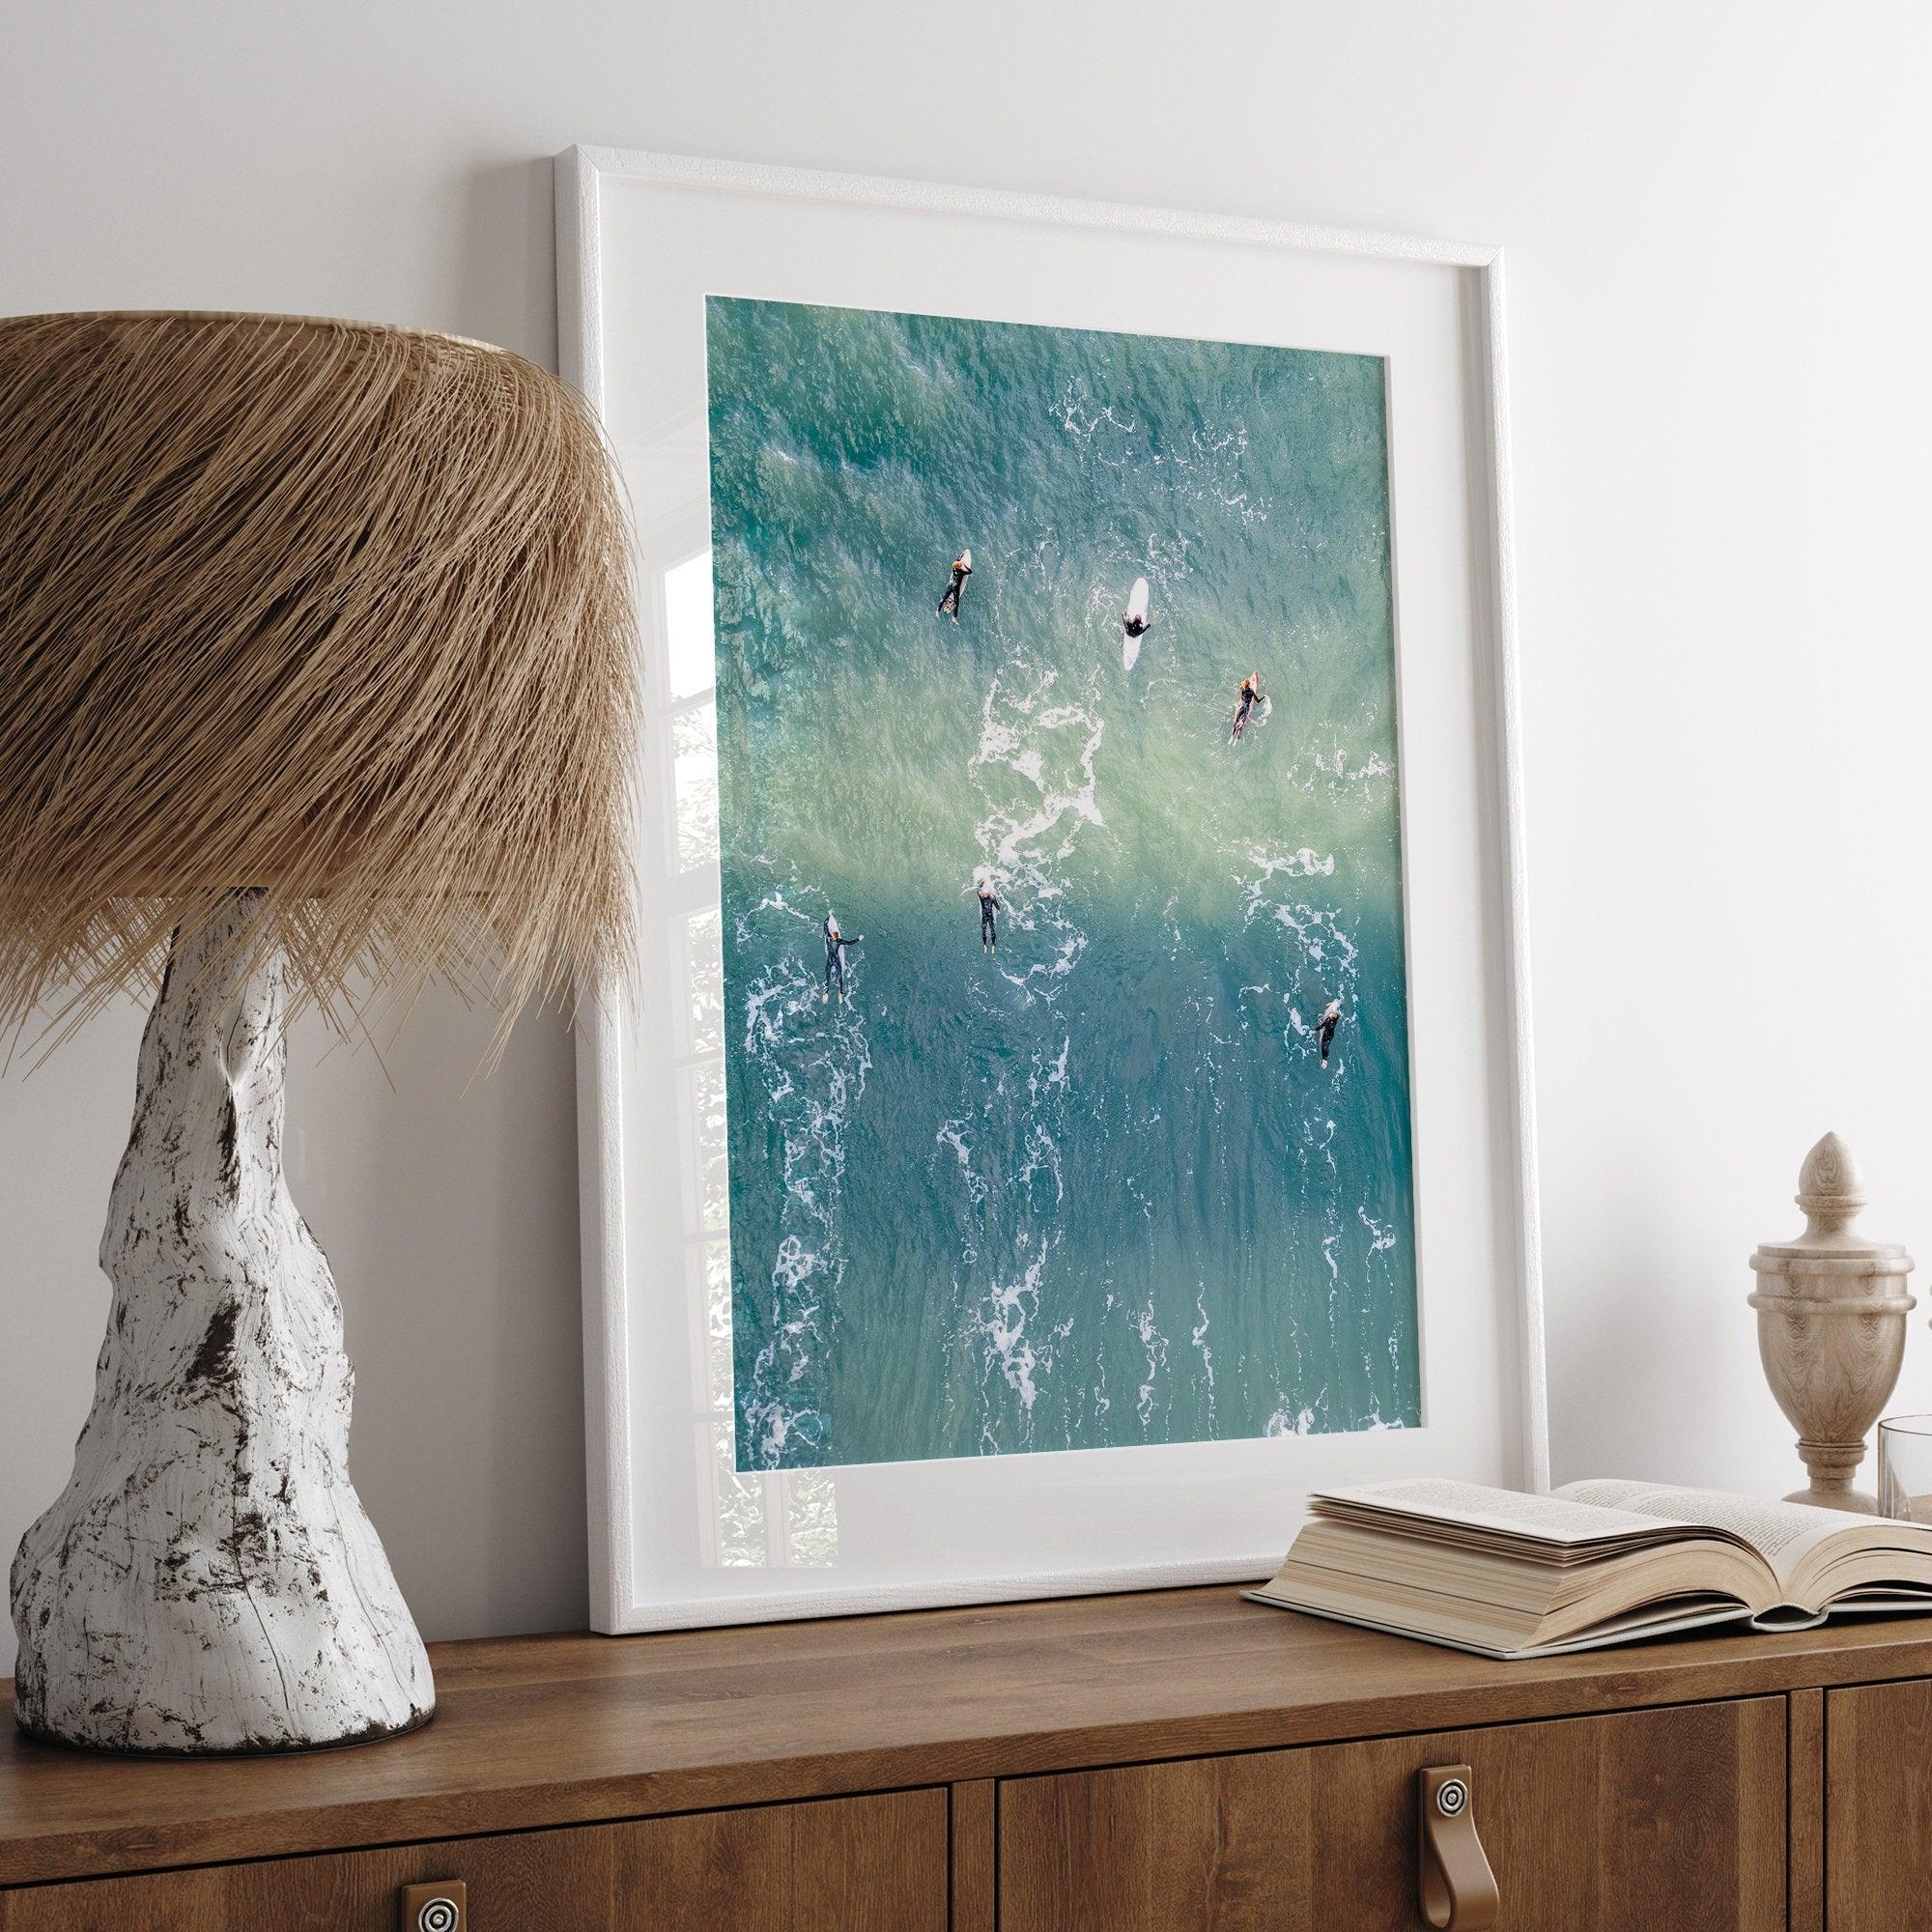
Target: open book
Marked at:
1593, 1563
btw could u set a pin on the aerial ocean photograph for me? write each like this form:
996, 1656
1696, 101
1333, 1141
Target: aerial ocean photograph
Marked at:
1066, 1014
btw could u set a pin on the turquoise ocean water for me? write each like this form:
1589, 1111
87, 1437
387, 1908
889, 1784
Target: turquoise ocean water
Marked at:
1093, 1189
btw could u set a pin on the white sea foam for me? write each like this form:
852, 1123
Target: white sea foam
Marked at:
1304, 863
951, 1134
1041, 1157
1260, 895
1048, 1076
1207, 1354
811, 1059
1009, 1307
1155, 1345
1300, 1423
1380, 1234
1035, 771
1103, 436
1317, 930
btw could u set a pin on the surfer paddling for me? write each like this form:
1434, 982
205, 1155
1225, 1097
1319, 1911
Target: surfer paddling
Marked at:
989, 913
836, 944
962, 569
1324, 1033
1251, 692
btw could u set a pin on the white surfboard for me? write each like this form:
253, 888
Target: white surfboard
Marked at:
1137, 608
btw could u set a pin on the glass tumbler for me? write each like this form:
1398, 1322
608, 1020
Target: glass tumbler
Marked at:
1905, 1467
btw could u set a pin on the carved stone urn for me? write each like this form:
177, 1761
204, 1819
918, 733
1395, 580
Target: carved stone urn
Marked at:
1830, 1326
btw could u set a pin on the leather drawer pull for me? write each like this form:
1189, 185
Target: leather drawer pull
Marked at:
1454, 1884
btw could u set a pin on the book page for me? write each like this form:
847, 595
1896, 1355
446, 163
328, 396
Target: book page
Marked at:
1558, 1518
1781, 1533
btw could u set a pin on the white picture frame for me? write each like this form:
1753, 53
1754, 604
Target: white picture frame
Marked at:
642, 239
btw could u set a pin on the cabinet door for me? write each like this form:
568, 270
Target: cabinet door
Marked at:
851, 1865
1619, 1824
1877, 1808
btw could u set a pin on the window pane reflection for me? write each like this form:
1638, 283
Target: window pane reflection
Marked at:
687, 594
694, 752
812, 1520
716, 1268
705, 1088
757, 1520
738, 1508
700, 972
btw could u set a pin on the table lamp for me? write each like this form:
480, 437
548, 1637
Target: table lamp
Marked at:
318, 681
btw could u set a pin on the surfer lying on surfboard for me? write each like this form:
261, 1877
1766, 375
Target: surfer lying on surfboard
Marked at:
1250, 692
1331, 1018
836, 944
962, 569
1135, 622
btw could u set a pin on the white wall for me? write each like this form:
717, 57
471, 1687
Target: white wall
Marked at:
1718, 290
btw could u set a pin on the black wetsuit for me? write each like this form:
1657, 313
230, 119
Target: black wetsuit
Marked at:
989, 932
950, 601
834, 957
1135, 626
1249, 693
1330, 1022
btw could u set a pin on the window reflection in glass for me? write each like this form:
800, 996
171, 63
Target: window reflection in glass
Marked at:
811, 1518
693, 754
704, 1084
716, 1288
701, 969
738, 1511
761, 1518
686, 595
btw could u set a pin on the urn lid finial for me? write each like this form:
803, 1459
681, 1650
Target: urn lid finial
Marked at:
1830, 1187
1831, 1191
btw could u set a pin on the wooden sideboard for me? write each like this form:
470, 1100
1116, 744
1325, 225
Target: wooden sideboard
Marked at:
1176, 1760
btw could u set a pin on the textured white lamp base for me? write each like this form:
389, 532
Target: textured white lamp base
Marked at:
208, 1581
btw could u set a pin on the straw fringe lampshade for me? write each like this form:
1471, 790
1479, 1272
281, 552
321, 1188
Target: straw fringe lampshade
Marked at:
317, 681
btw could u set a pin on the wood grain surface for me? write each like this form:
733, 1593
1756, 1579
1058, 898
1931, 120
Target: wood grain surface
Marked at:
1619, 1824
569, 1730
852, 1864
1804, 1810
975, 1855
1877, 1808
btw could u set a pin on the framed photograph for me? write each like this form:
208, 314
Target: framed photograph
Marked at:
1077, 1097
